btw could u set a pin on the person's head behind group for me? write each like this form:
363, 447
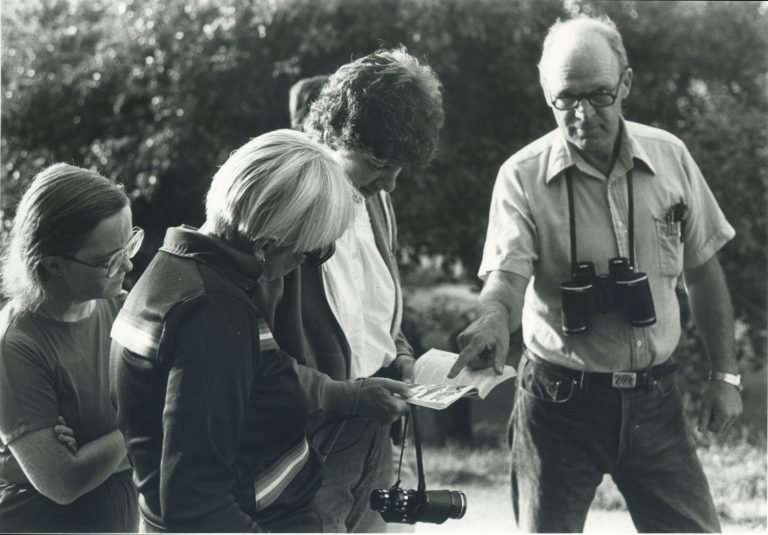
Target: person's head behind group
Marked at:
281, 190
72, 224
585, 75
380, 113
301, 96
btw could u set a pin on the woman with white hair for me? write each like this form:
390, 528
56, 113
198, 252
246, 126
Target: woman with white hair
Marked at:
63, 270
212, 410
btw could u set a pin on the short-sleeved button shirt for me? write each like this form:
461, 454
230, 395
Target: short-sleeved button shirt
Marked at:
528, 234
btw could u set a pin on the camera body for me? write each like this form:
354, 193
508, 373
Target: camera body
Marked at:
621, 289
411, 506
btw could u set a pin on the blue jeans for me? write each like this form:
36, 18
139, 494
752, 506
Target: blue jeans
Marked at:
567, 437
358, 459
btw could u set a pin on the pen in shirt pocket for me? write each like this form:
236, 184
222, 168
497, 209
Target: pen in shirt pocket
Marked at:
678, 213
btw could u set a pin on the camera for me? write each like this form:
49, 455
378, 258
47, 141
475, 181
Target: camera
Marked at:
411, 506
420, 505
621, 289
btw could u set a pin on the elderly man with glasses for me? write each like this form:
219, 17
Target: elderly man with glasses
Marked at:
591, 228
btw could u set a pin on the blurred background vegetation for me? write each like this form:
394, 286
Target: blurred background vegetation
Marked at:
157, 93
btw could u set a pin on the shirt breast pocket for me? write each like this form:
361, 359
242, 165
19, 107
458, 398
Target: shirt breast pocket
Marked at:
670, 246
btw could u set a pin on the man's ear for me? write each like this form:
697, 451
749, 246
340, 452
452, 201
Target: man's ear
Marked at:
545, 91
627, 83
52, 265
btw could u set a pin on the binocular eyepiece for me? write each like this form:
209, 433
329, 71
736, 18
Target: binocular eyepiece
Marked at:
621, 289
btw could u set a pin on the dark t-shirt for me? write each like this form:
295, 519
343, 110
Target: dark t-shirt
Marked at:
48, 369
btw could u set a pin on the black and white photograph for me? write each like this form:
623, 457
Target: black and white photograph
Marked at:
230, 230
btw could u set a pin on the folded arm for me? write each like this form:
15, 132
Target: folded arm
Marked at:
61, 475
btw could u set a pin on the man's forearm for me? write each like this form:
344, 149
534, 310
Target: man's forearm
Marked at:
713, 315
503, 295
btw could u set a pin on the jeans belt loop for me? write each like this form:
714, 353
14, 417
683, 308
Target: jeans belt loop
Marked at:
583, 380
651, 380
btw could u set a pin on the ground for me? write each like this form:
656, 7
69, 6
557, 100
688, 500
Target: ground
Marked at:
489, 511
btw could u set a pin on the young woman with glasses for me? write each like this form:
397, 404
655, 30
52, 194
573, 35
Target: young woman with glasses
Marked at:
63, 269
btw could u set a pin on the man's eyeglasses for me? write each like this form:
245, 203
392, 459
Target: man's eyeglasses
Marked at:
319, 256
598, 99
116, 260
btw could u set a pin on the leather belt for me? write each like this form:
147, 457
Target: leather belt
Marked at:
621, 380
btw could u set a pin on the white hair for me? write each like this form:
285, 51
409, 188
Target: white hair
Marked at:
584, 24
282, 187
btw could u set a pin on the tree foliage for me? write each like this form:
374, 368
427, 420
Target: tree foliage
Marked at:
156, 93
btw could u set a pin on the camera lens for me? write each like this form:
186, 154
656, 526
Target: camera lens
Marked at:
458, 504
440, 505
380, 500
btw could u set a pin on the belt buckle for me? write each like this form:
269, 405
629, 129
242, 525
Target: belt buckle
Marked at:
623, 379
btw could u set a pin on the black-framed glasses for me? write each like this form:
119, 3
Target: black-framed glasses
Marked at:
112, 266
598, 99
319, 256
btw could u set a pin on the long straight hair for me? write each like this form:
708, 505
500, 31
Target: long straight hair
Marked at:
62, 205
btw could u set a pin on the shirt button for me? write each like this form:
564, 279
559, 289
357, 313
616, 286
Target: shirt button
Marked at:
639, 343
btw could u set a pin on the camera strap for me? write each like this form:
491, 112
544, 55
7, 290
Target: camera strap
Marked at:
417, 444
402, 450
572, 220
631, 219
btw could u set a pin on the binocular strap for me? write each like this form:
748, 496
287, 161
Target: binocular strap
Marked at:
572, 220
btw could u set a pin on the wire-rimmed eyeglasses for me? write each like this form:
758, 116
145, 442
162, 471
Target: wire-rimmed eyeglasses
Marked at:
112, 266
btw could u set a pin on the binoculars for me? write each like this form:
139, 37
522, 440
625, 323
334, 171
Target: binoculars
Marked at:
621, 289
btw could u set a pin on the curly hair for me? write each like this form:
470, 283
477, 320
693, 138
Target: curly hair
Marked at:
386, 104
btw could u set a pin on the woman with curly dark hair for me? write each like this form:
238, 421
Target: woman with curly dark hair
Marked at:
381, 113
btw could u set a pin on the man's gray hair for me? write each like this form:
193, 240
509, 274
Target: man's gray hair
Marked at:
601, 25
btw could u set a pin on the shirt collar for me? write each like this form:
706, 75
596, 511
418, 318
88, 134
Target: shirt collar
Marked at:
563, 156
239, 266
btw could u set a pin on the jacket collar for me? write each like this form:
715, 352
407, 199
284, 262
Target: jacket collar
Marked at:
234, 263
564, 156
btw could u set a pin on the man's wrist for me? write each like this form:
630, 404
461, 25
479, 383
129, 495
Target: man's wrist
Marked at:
730, 378
493, 307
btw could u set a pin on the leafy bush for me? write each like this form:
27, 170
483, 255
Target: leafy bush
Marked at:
156, 93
